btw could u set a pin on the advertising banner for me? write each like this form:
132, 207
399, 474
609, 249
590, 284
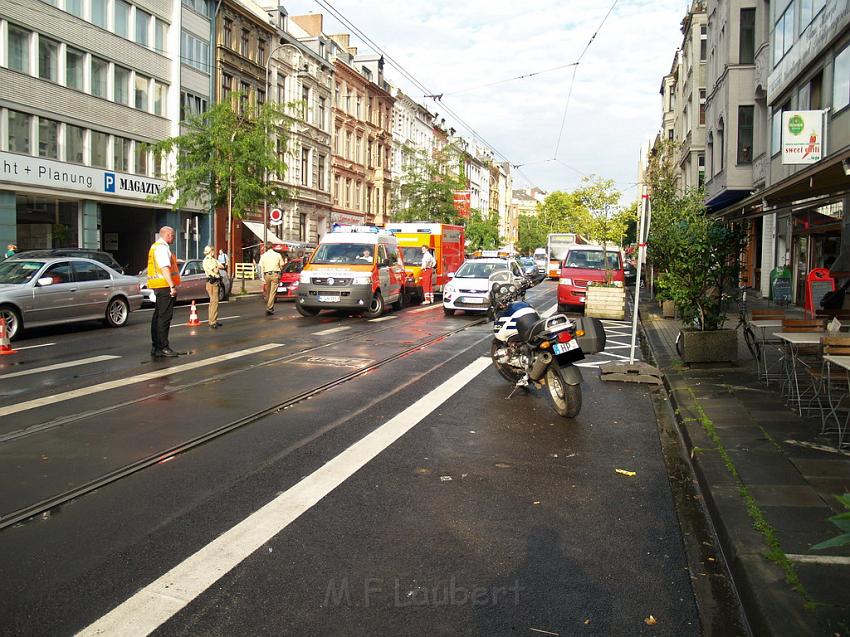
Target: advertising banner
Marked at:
802, 137
463, 202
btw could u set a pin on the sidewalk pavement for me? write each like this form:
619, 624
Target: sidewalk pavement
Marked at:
768, 492
253, 287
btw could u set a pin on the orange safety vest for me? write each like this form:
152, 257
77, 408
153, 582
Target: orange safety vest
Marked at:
155, 277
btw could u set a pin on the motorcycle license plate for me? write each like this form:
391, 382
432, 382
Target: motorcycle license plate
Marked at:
328, 299
281, 289
472, 299
563, 348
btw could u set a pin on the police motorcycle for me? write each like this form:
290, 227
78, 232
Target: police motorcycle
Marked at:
528, 349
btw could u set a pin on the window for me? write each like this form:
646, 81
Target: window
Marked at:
338, 142
143, 22
74, 139
245, 43
281, 89
305, 166
670, 134
358, 147
702, 107
160, 35
321, 171
347, 154
261, 52
261, 97
841, 80
244, 93
808, 10
19, 49
19, 132
226, 85
228, 33
99, 71
359, 104
160, 91
302, 226
305, 101
194, 52
201, 6
776, 130
816, 92
745, 134
48, 59
783, 34
336, 190
141, 92
703, 42
191, 105
121, 154
747, 36
98, 13
86, 271
121, 18
48, 138
320, 113
141, 158
74, 7
701, 169
99, 146
336, 95
74, 61
121, 85
348, 193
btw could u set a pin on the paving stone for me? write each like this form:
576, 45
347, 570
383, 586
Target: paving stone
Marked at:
824, 468
758, 468
781, 495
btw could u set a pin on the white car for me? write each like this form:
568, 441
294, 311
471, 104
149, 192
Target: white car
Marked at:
469, 287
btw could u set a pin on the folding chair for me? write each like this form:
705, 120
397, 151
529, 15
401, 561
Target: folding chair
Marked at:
773, 315
805, 352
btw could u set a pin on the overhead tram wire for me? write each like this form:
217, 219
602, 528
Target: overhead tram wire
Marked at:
407, 75
510, 79
572, 81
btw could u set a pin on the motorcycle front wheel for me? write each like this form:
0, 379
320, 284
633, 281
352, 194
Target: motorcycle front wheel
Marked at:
506, 371
566, 399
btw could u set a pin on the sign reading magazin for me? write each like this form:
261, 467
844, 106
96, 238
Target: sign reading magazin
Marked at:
802, 137
37, 171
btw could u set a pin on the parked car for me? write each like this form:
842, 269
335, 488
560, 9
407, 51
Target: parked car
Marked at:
531, 270
287, 287
469, 287
584, 264
630, 273
53, 290
98, 255
193, 282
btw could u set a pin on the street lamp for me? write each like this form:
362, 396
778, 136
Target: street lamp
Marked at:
268, 96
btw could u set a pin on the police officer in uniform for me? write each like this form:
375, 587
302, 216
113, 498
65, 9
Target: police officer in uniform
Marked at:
212, 268
270, 265
163, 279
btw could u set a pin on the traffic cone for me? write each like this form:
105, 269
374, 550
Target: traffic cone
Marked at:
193, 316
5, 348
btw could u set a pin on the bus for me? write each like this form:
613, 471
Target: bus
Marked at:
558, 242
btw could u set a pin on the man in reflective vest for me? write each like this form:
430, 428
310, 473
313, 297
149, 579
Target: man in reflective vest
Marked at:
163, 279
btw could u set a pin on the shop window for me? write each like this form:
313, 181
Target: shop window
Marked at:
19, 137
99, 71
74, 144
74, 62
18, 49
98, 13
99, 148
48, 59
121, 86
121, 18
48, 138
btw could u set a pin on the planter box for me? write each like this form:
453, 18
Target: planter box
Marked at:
715, 346
606, 302
668, 309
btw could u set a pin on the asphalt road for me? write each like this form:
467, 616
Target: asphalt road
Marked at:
370, 478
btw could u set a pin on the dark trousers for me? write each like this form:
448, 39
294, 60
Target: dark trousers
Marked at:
161, 319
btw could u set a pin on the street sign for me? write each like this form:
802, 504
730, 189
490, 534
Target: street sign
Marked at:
275, 217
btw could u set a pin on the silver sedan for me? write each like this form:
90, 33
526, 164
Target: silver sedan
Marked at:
193, 282
54, 290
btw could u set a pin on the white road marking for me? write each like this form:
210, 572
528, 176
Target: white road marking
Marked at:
549, 312
332, 330
833, 560
426, 308
220, 318
383, 318
48, 368
160, 600
123, 382
32, 346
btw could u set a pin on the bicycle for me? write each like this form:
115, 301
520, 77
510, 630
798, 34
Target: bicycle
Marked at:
743, 321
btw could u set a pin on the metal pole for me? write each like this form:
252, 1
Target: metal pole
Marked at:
641, 250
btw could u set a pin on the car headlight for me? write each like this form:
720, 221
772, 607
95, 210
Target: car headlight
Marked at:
304, 277
362, 280
565, 281
449, 289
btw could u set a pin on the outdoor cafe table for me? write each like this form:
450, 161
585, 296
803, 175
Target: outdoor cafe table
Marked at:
844, 363
762, 326
791, 343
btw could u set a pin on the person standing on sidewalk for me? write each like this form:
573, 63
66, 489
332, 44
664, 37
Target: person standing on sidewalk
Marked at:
163, 279
270, 264
428, 265
211, 269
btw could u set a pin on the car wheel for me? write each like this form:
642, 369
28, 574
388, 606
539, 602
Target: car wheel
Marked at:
222, 293
14, 325
399, 303
376, 307
448, 311
306, 311
117, 312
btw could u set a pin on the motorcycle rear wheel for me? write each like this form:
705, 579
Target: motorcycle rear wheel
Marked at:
565, 399
506, 372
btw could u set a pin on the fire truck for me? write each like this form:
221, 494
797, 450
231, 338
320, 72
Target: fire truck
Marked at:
445, 241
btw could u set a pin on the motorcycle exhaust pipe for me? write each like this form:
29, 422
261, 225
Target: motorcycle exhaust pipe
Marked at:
538, 368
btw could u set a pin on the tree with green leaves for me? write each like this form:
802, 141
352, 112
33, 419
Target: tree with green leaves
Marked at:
562, 212
227, 158
482, 232
427, 185
531, 233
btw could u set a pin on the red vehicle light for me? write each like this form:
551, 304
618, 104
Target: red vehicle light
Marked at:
564, 337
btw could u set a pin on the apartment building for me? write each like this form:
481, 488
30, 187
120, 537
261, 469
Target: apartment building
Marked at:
88, 86
413, 137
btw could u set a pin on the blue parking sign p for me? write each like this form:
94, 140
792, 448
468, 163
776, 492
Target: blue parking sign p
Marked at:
109, 182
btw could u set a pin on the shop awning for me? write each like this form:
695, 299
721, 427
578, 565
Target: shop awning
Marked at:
257, 229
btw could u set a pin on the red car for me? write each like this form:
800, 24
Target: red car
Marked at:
287, 288
584, 264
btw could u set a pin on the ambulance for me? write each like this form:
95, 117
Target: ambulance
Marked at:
446, 242
354, 268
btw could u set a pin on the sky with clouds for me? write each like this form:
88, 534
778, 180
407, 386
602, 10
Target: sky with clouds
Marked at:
455, 46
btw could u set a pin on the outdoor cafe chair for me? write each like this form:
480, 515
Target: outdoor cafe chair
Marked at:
765, 337
828, 383
806, 355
